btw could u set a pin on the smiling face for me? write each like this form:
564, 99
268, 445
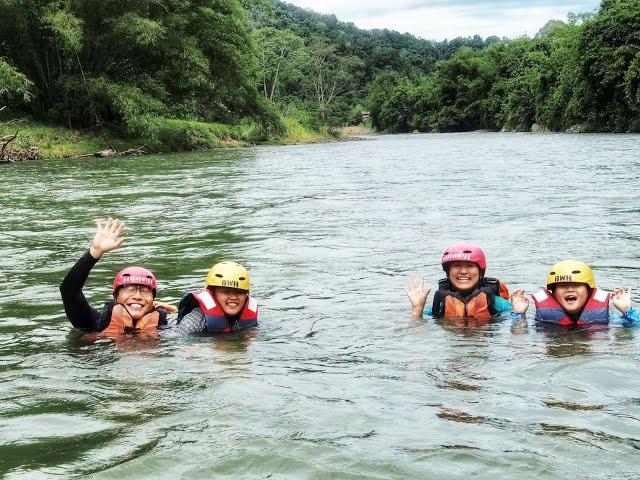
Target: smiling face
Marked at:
231, 300
138, 299
464, 276
572, 297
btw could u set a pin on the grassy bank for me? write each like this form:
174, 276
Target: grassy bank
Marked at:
154, 135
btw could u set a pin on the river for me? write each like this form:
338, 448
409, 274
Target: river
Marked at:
338, 382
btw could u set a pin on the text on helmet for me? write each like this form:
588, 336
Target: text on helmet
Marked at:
458, 256
563, 278
137, 279
230, 283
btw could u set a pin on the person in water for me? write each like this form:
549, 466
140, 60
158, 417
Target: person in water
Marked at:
132, 308
466, 292
572, 298
223, 306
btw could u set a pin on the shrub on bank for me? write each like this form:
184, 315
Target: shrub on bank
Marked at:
298, 133
169, 134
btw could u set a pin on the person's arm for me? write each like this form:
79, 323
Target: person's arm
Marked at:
622, 301
78, 310
501, 305
417, 296
192, 322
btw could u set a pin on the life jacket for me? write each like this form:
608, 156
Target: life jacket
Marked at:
478, 304
549, 310
121, 326
215, 319
122, 323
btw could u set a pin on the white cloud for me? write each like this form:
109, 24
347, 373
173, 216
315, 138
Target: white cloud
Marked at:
441, 19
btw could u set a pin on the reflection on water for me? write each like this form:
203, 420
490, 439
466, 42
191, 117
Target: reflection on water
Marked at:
338, 381
562, 341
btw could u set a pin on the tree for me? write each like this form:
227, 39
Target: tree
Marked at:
381, 89
609, 46
108, 61
331, 75
13, 84
281, 55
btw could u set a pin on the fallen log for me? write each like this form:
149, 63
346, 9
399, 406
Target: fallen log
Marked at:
106, 153
111, 152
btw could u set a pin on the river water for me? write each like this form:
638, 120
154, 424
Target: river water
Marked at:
338, 382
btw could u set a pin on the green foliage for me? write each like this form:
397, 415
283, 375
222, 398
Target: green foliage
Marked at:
178, 58
167, 134
609, 46
140, 31
13, 84
271, 124
325, 67
381, 89
65, 27
585, 73
282, 55
58, 142
172, 71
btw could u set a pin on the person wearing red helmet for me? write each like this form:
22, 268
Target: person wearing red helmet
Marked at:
465, 292
132, 308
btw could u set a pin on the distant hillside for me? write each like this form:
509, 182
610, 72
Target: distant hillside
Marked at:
363, 53
380, 49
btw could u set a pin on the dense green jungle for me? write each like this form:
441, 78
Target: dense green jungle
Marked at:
184, 75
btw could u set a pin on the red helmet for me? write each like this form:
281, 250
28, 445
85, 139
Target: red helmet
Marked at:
136, 276
464, 252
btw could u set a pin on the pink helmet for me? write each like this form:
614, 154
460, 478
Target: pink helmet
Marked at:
465, 252
136, 276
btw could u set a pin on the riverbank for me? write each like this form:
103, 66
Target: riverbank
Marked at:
25, 139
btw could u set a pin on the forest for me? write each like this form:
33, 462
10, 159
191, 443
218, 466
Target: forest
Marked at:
174, 72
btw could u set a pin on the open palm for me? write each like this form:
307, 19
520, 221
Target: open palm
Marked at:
416, 292
621, 299
107, 237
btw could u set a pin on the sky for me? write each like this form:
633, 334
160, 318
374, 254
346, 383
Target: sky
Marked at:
440, 19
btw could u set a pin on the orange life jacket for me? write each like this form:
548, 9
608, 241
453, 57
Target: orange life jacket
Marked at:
478, 304
477, 307
122, 323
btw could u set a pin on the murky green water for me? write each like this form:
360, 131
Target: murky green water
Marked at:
337, 382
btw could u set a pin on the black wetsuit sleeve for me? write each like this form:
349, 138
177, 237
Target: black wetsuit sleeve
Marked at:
78, 310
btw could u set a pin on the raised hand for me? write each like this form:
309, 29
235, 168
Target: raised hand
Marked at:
107, 237
519, 301
621, 299
417, 294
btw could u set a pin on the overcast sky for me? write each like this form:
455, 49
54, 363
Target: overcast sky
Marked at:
440, 19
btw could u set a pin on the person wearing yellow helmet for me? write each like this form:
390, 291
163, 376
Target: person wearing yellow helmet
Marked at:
223, 306
572, 298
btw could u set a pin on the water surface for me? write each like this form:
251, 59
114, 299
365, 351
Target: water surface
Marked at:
337, 382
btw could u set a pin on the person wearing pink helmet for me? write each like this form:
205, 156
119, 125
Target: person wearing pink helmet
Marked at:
466, 292
132, 308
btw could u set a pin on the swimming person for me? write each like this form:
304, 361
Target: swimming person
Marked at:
466, 292
132, 308
223, 306
572, 298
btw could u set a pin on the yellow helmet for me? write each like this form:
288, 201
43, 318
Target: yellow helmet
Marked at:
571, 271
228, 274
